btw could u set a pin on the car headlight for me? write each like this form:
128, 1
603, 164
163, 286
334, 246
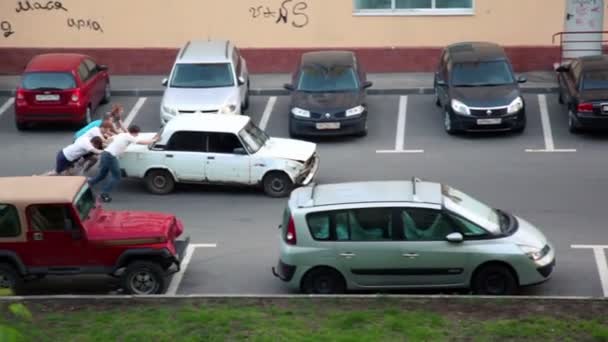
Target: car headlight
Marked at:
228, 109
169, 110
534, 253
460, 107
300, 112
355, 111
516, 105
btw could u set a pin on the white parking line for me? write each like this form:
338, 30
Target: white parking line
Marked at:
267, 111
135, 110
547, 133
177, 277
401, 124
599, 251
7, 105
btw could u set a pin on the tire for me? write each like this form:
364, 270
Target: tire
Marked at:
87, 116
572, 125
494, 280
292, 131
437, 101
447, 123
277, 184
159, 182
323, 281
560, 97
522, 126
21, 126
144, 278
362, 133
9, 278
107, 94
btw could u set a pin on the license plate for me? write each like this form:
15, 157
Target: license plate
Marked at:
328, 125
47, 97
489, 121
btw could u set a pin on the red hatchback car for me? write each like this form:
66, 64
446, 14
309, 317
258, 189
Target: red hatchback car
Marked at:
61, 87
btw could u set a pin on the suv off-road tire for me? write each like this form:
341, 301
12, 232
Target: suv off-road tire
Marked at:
159, 182
494, 280
277, 184
144, 278
9, 278
323, 281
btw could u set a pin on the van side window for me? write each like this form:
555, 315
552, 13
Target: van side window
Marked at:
49, 217
366, 224
9, 221
420, 224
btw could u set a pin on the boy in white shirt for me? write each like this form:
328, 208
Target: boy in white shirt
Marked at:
109, 159
67, 157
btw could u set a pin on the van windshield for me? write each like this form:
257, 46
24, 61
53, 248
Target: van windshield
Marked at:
468, 207
84, 203
208, 75
48, 81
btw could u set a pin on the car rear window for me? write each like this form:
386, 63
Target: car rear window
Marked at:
48, 81
595, 81
482, 74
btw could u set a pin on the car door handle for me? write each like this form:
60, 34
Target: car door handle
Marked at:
38, 236
347, 255
211, 158
409, 255
169, 155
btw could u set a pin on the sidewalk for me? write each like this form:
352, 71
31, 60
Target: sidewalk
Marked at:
272, 84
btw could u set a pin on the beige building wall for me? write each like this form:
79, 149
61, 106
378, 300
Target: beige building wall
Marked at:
325, 23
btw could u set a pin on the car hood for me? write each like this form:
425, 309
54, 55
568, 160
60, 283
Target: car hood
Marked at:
495, 96
287, 149
132, 227
199, 99
528, 235
133, 148
326, 101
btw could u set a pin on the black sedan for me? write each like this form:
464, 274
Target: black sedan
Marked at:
328, 95
583, 87
477, 89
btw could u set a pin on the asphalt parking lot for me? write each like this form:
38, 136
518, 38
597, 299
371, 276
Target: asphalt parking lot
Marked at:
552, 178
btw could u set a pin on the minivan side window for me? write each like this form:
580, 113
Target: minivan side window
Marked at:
365, 224
48, 217
9, 221
422, 224
186, 141
223, 142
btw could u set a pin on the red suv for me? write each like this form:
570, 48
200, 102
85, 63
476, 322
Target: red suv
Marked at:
64, 231
61, 87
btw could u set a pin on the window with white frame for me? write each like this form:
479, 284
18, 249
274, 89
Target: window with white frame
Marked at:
413, 7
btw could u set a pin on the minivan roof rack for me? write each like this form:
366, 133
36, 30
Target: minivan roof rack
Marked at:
184, 50
307, 196
414, 181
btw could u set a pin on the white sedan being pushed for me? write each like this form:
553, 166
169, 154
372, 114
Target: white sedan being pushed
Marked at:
220, 149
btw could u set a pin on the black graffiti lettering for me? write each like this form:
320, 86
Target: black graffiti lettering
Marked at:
283, 12
6, 28
268, 13
97, 27
85, 24
255, 11
298, 12
24, 6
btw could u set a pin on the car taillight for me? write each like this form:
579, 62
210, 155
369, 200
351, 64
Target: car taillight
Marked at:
75, 96
20, 96
585, 107
290, 236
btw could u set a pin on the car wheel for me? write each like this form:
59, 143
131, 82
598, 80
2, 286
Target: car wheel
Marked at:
447, 123
87, 116
363, 132
323, 281
277, 184
10, 280
107, 94
21, 126
560, 97
573, 127
160, 182
437, 101
144, 278
494, 280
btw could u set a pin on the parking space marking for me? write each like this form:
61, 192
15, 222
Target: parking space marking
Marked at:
599, 251
401, 124
177, 277
547, 132
133, 113
267, 111
7, 105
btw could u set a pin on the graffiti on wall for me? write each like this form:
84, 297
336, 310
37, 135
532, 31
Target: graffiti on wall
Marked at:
291, 12
81, 24
6, 29
26, 6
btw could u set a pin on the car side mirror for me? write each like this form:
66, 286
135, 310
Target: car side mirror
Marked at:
522, 79
241, 80
367, 84
239, 150
455, 237
289, 87
165, 82
102, 67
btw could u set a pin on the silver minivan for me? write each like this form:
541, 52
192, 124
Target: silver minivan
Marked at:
416, 234
207, 77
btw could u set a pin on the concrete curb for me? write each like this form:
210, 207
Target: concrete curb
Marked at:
282, 92
297, 296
